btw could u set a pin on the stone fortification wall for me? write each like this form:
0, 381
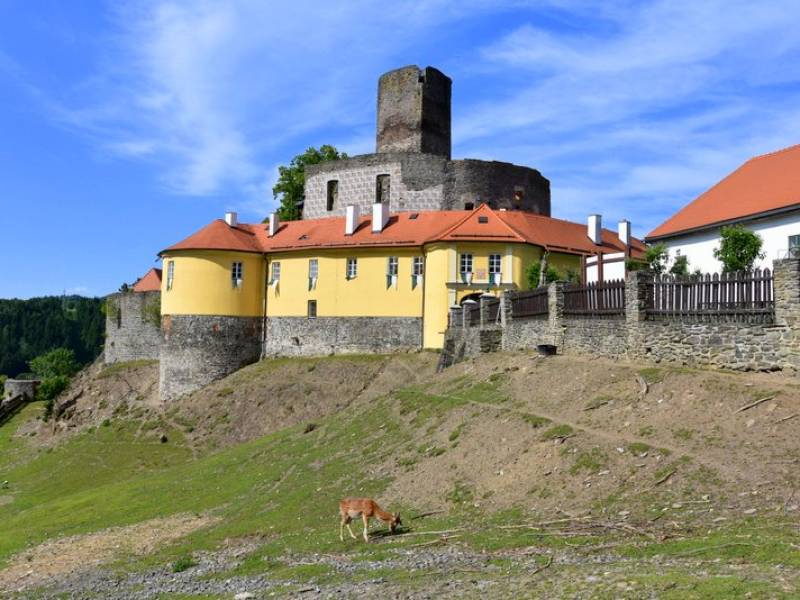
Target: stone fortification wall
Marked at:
757, 342
199, 349
301, 336
132, 326
423, 182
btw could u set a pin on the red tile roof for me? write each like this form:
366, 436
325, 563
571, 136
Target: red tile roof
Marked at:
218, 235
407, 229
763, 184
149, 282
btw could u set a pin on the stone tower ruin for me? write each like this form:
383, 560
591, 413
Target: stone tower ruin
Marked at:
411, 169
414, 111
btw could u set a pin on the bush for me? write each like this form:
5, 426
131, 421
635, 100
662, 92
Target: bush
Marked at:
681, 266
3, 381
183, 563
739, 249
657, 257
534, 271
49, 390
58, 362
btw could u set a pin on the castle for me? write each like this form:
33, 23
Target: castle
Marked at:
387, 244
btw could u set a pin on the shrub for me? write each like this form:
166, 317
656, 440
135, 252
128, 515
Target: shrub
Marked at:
534, 272
739, 249
58, 362
152, 312
183, 563
681, 266
3, 381
657, 257
49, 390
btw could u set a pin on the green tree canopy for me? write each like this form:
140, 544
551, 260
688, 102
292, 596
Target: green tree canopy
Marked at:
680, 266
56, 363
291, 179
657, 257
739, 249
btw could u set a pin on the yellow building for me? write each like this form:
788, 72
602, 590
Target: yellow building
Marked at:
375, 283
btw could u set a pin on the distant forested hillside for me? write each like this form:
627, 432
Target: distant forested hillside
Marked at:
29, 328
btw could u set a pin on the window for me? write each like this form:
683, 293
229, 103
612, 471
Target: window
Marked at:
391, 272
495, 268
483, 219
333, 194
419, 266
469, 206
391, 266
382, 189
236, 275
466, 268
170, 274
312, 309
276, 273
352, 268
519, 196
794, 245
417, 270
313, 273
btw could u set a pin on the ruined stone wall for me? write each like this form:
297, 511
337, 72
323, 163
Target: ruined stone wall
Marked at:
301, 336
424, 182
132, 330
199, 349
414, 111
417, 182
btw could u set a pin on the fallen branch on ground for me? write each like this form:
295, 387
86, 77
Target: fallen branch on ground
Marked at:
786, 418
544, 566
752, 404
665, 477
706, 548
442, 540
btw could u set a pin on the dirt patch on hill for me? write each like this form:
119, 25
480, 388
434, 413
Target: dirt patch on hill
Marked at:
252, 402
580, 434
73, 554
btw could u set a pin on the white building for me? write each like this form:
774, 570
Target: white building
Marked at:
762, 195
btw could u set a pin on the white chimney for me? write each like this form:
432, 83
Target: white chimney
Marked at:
350, 219
380, 216
594, 226
230, 219
624, 232
274, 223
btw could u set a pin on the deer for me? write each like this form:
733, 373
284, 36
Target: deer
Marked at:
367, 508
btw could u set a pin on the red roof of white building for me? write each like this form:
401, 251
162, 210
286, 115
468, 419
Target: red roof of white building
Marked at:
765, 184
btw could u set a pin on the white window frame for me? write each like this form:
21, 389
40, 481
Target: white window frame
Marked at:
352, 268
313, 273
465, 264
495, 268
392, 268
417, 271
275, 273
237, 274
170, 274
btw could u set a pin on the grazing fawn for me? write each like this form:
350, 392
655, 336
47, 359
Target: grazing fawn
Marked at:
350, 508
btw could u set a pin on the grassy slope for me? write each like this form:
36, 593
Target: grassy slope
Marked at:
283, 488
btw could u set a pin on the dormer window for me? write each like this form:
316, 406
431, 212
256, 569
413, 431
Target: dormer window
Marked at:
483, 219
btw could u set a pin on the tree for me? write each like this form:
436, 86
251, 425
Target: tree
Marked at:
56, 363
656, 257
681, 266
739, 249
534, 272
291, 179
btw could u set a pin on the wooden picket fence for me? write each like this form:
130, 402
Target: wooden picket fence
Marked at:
532, 303
598, 299
732, 295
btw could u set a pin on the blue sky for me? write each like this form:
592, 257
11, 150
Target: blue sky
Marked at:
126, 126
